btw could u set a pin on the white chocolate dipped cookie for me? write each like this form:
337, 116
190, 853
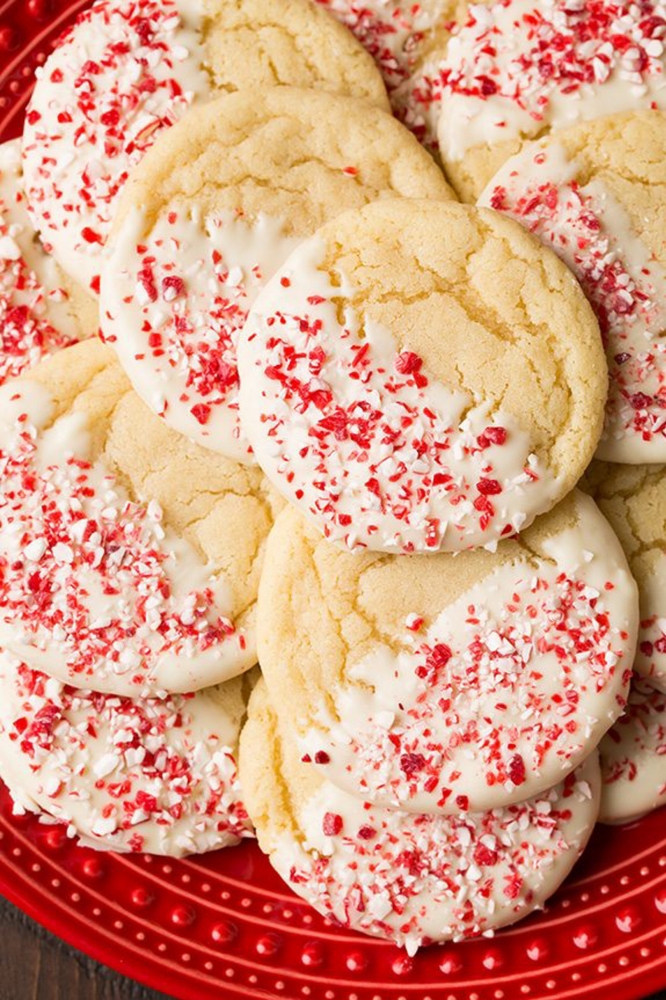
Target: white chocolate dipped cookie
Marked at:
212, 212
127, 71
449, 683
41, 311
633, 757
594, 194
420, 376
129, 558
412, 879
521, 69
633, 499
155, 776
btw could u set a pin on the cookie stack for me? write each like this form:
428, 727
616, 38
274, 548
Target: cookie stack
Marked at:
334, 422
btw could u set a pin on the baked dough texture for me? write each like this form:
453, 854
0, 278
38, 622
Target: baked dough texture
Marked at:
138, 583
408, 878
461, 323
446, 683
633, 499
121, 77
212, 211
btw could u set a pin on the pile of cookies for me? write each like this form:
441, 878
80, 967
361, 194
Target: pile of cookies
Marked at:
374, 400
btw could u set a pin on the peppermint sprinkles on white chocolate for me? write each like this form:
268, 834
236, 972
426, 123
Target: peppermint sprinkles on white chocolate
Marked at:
119, 77
86, 576
136, 775
515, 66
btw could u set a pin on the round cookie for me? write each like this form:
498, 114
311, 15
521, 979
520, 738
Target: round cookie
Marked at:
413, 879
41, 311
153, 776
521, 69
595, 194
125, 73
633, 498
421, 376
633, 758
449, 683
129, 558
212, 212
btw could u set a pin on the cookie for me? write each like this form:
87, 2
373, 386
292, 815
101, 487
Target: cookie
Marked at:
521, 69
421, 376
41, 310
410, 878
449, 683
397, 36
126, 72
593, 194
212, 212
129, 558
633, 498
125, 775
633, 758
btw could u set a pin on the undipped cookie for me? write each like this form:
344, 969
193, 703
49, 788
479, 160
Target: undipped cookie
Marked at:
595, 195
633, 757
152, 775
449, 683
633, 498
126, 71
129, 558
422, 376
211, 213
41, 310
410, 878
518, 69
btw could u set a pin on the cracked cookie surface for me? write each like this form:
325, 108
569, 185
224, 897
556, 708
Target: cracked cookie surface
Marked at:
210, 214
422, 376
130, 558
449, 683
127, 71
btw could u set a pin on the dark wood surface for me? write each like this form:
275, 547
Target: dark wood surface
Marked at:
34, 965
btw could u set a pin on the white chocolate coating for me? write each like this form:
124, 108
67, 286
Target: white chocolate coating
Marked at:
154, 776
507, 690
94, 590
518, 67
173, 305
633, 757
590, 230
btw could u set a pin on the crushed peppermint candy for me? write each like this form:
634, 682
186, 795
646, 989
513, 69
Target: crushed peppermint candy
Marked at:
633, 757
420, 879
93, 588
358, 434
392, 33
621, 277
34, 316
125, 72
156, 775
173, 302
515, 67
512, 685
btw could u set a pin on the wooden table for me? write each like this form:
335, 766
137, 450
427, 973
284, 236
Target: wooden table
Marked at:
35, 965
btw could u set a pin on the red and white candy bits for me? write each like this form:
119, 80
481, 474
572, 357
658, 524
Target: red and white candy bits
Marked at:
152, 775
517, 67
93, 588
37, 316
126, 71
621, 275
633, 757
419, 879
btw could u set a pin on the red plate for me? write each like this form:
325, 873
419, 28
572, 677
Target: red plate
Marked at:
225, 925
